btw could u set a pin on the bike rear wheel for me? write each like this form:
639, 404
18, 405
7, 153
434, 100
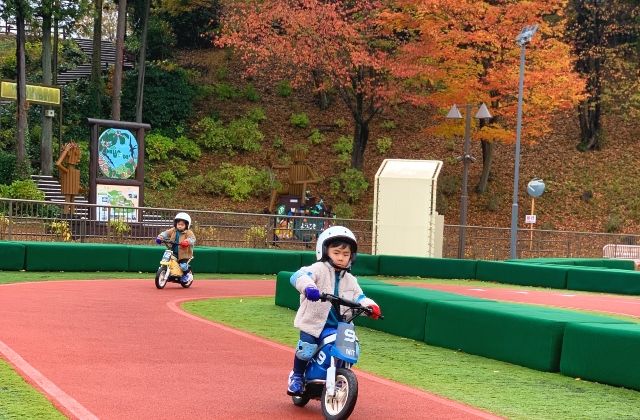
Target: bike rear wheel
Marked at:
299, 400
341, 404
161, 277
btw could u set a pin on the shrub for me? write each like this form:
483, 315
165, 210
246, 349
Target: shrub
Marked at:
237, 182
449, 184
343, 211
278, 143
300, 120
614, 223
383, 144
61, 230
168, 179
251, 94
225, 92
343, 147
241, 135
284, 89
168, 96
257, 114
187, 148
350, 182
316, 137
158, 147
119, 228
24, 190
256, 236
340, 123
7, 167
388, 124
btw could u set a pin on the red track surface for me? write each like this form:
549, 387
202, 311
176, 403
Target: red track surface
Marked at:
122, 349
612, 304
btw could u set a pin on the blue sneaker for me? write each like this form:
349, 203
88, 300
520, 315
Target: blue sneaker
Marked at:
187, 278
296, 384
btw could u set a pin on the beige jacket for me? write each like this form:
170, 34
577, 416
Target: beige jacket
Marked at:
183, 253
312, 316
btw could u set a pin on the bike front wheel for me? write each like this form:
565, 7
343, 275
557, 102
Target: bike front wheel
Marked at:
161, 277
341, 404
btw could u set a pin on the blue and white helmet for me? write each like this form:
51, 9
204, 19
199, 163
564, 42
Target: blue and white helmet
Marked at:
335, 233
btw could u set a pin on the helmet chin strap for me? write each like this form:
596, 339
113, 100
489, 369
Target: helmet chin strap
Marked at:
337, 267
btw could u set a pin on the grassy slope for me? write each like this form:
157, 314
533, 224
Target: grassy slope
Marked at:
508, 390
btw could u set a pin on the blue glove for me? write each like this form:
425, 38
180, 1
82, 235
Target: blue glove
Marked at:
312, 293
158, 240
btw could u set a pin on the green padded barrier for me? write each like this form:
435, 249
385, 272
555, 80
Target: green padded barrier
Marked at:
12, 256
286, 295
561, 261
365, 265
58, 256
523, 274
146, 259
602, 353
442, 268
256, 261
604, 280
524, 335
606, 263
404, 308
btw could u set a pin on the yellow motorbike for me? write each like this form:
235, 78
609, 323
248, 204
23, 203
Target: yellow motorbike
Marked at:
169, 270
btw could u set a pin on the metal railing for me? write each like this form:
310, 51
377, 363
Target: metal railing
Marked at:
28, 220
25, 220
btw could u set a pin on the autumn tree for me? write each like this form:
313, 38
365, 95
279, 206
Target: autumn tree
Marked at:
474, 58
605, 37
303, 40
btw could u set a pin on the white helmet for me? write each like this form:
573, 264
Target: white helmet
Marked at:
333, 234
184, 217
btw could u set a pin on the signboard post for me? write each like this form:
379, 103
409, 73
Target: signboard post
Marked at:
116, 169
535, 188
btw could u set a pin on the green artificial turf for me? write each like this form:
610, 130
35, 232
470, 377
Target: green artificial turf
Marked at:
19, 400
501, 388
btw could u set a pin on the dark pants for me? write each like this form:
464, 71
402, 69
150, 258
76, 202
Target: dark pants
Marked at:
300, 365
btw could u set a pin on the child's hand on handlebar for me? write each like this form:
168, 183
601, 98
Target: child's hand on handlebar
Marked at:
159, 240
185, 244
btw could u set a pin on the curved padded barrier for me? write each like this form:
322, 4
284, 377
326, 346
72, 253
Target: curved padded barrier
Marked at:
12, 256
609, 281
58, 256
523, 274
442, 268
255, 261
146, 259
365, 265
602, 353
524, 335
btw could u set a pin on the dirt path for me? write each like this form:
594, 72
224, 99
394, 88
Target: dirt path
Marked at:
123, 350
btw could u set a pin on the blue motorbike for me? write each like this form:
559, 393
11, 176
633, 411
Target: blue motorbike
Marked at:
328, 376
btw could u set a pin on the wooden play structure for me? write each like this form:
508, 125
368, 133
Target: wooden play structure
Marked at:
69, 175
299, 176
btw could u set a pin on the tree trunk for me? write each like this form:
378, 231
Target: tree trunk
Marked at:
322, 97
487, 158
96, 62
142, 61
22, 164
590, 129
46, 153
117, 74
360, 139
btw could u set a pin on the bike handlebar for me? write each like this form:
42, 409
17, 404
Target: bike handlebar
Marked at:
336, 300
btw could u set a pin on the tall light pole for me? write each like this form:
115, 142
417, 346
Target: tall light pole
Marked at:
523, 39
466, 159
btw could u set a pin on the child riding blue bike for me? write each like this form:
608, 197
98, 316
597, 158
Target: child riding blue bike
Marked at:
336, 250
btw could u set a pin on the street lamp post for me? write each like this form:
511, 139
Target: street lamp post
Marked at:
523, 39
466, 159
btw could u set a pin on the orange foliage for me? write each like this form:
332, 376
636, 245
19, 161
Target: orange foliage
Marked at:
471, 55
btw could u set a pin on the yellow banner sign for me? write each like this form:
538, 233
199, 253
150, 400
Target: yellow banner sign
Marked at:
46, 95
